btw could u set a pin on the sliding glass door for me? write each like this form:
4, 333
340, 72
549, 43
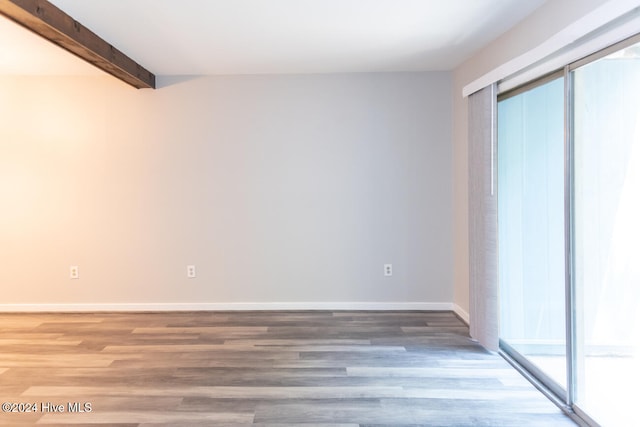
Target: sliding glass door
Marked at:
531, 228
568, 179
606, 153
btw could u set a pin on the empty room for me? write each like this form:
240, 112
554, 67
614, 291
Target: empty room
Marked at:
319, 212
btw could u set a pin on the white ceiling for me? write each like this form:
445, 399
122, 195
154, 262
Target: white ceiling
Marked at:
273, 36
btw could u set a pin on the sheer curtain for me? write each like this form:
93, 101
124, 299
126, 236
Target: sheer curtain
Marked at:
483, 219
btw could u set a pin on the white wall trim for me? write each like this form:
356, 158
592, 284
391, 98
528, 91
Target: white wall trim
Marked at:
587, 24
460, 312
423, 306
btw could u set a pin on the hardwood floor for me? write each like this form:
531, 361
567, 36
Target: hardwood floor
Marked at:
261, 369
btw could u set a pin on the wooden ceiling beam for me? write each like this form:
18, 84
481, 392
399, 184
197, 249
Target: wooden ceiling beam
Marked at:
51, 23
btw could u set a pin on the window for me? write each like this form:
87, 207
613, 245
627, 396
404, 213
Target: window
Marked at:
606, 141
531, 227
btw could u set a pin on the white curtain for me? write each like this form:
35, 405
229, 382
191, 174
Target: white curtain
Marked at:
483, 220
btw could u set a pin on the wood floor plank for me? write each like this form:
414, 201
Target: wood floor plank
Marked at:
225, 330
432, 372
175, 418
256, 368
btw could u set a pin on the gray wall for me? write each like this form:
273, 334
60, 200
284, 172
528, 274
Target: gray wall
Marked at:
280, 189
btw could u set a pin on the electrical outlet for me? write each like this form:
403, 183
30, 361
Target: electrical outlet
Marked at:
191, 271
74, 272
388, 270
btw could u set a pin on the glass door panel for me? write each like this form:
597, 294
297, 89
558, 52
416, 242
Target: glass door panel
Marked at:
607, 236
531, 229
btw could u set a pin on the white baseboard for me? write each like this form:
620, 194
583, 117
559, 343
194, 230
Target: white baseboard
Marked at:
460, 312
423, 306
